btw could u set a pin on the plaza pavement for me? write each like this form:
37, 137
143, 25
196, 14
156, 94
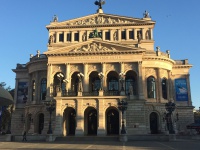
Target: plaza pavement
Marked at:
103, 145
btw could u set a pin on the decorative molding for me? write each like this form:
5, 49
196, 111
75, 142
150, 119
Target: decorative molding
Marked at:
150, 72
93, 47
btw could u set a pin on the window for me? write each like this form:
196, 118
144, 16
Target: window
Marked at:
113, 84
107, 35
61, 37
131, 35
69, 37
76, 36
33, 90
151, 87
164, 88
130, 81
123, 35
43, 89
96, 84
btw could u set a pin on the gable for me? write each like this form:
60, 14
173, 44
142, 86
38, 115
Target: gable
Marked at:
100, 19
93, 46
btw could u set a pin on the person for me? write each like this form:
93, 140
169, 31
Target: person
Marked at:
24, 136
130, 89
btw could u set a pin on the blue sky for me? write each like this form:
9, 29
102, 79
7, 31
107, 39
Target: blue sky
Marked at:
22, 29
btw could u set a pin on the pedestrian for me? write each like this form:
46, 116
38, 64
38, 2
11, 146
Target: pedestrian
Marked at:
24, 135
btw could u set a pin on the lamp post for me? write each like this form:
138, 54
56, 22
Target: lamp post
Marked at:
60, 77
122, 79
170, 107
101, 78
122, 106
50, 107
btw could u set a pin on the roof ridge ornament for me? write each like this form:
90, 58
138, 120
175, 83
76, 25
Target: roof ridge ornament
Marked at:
100, 3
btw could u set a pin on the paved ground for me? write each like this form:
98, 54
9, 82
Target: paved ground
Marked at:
111, 145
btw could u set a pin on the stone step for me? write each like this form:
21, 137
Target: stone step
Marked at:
88, 138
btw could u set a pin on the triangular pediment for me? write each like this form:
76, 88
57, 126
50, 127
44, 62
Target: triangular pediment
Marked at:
100, 19
93, 46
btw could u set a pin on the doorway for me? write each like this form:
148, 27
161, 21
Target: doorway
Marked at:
154, 123
112, 122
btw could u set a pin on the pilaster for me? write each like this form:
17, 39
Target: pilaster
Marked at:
86, 78
79, 118
140, 81
67, 76
159, 87
58, 120
119, 35
57, 37
49, 87
101, 123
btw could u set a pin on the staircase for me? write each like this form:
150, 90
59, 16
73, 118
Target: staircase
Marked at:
87, 138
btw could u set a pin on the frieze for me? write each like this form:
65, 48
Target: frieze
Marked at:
94, 67
98, 20
130, 66
74, 68
93, 47
150, 72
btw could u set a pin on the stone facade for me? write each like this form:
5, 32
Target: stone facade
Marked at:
91, 64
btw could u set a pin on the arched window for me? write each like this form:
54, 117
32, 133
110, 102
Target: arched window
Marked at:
96, 84
113, 84
43, 89
130, 81
164, 88
151, 87
33, 90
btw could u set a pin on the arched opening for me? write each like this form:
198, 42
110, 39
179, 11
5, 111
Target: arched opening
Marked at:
58, 83
151, 87
113, 81
131, 80
43, 89
75, 82
164, 88
69, 121
112, 121
40, 123
90, 121
153, 123
95, 82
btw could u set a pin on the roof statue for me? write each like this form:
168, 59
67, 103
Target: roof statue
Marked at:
95, 34
146, 14
100, 3
55, 18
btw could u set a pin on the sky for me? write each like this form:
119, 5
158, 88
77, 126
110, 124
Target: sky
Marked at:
23, 29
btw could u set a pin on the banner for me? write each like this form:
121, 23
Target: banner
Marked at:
22, 92
181, 89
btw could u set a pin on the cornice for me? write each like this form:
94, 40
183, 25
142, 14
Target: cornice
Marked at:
182, 66
158, 59
96, 53
36, 61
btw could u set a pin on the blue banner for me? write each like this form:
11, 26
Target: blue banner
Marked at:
22, 92
181, 89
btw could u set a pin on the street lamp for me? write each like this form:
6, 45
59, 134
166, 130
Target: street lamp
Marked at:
122, 79
50, 107
122, 106
101, 78
60, 77
170, 107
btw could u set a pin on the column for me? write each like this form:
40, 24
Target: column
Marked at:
140, 81
103, 67
49, 81
80, 36
79, 118
58, 118
86, 78
135, 34
143, 34
101, 122
65, 36
103, 35
127, 34
169, 94
119, 35
111, 35
189, 90
57, 37
159, 87
122, 70
72, 36
67, 76
151, 32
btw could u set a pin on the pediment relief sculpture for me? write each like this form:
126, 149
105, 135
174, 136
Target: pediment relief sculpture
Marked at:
93, 47
99, 20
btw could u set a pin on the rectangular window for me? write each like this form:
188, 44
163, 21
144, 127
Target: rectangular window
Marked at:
69, 37
107, 35
123, 35
76, 36
131, 35
61, 37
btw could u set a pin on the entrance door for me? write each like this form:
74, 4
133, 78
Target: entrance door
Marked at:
112, 122
154, 123
41, 123
72, 122
92, 122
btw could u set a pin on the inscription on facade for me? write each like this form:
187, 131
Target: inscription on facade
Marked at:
94, 58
